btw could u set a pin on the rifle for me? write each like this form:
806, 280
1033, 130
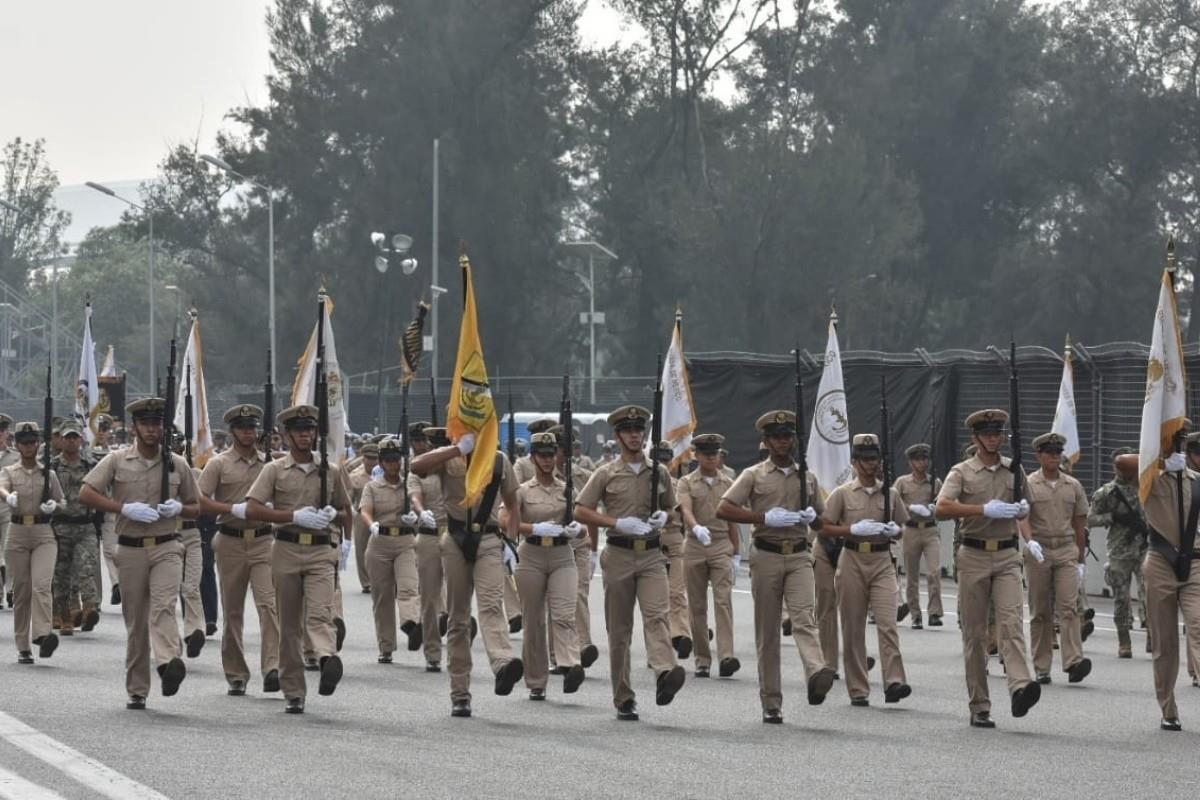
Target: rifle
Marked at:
801, 436
512, 431
433, 401
655, 434
47, 434
168, 428
188, 423
404, 443
566, 421
268, 409
1014, 421
321, 389
885, 451
932, 471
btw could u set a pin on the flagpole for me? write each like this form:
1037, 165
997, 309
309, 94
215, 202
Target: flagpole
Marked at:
1178, 443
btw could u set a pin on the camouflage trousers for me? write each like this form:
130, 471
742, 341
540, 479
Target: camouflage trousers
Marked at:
1118, 575
75, 569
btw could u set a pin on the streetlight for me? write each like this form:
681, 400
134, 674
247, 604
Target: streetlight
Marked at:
150, 217
387, 247
170, 287
222, 164
591, 318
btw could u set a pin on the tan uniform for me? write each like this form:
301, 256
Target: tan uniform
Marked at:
152, 572
431, 580
304, 571
242, 549
989, 575
360, 534
391, 558
8, 457
634, 570
193, 567
581, 549
921, 540
827, 554
781, 572
30, 552
1054, 583
672, 543
866, 579
547, 580
709, 565
524, 468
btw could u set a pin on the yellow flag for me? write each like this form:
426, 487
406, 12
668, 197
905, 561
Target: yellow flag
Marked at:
471, 406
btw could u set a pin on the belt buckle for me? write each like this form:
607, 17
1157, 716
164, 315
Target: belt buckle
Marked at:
305, 538
788, 548
25, 519
150, 541
248, 534
474, 527
991, 545
639, 545
547, 541
864, 547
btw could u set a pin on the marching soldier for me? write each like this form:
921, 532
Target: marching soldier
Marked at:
107, 443
1117, 507
31, 550
711, 554
391, 555
672, 544
827, 554
242, 550
979, 491
149, 554
1057, 517
360, 476
587, 557
425, 495
767, 496
193, 572
633, 562
77, 565
921, 539
523, 466
8, 457
304, 556
579, 459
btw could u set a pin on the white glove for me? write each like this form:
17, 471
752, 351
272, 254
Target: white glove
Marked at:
427, 519
595, 563
11, 499
702, 535
510, 560
807, 515
550, 529
466, 444
867, 527
1176, 462
376, 472
170, 509
48, 507
632, 526
737, 563
891, 529
328, 513
309, 517
1081, 571
998, 509
410, 519
1035, 550
657, 520
781, 518
374, 528
918, 510
238, 510
344, 557
138, 512
1023, 509
269, 505
573, 529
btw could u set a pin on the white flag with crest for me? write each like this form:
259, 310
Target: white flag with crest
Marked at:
191, 371
829, 439
1065, 421
678, 411
1166, 390
87, 388
304, 389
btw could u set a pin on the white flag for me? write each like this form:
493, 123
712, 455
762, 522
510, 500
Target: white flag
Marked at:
829, 439
109, 369
1166, 390
87, 388
192, 371
1065, 421
678, 411
304, 389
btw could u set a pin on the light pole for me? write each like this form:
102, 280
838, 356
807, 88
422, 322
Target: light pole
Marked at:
400, 244
170, 287
593, 249
222, 164
150, 218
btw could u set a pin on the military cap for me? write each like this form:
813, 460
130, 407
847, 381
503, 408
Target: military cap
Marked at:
70, 426
371, 450
301, 416
989, 420
708, 442
5, 421
389, 448
629, 417
244, 415
918, 450
541, 425
559, 433
1050, 442
147, 408
104, 421
56, 422
775, 423
665, 451
865, 445
27, 431
379, 437
417, 430
1122, 451
437, 436
609, 446
544, 442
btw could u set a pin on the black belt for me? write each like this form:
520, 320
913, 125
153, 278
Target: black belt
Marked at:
78, 520
548, 541
303, 538
634, 543
473, 527
427, 531
30, 519
388, 530
244, 533
147, 541
785, 549
990, 545
867, 547
920, 524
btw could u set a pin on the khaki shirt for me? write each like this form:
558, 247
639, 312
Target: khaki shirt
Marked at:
1162, 511
27, 483
524, 468
585, 462
540, 503
972, 483
454, 488
133, 479
384, 501
8, 457
705, 497
915, 493
287, 486
227, 478
359, 478
625, 493
430, 488
1053, 507
765, 486
852, 502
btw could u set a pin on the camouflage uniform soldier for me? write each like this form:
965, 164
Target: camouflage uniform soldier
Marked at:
78, 551
1116, 506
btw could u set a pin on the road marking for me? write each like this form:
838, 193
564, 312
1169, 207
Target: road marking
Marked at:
14, 787
88, 771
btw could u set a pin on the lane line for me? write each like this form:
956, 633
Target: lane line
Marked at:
88, 771
14, 787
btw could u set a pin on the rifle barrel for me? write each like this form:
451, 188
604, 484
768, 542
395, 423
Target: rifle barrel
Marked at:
801, 436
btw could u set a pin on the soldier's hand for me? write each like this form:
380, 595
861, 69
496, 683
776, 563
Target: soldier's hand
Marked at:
170, 509
892, 529
632, 526
919, 510
466, 444
1176, 462
508, 557
551, 529
573, 529
11, 499
867, 527
1081, 571
329, 514
593, 563
375, 527
807, 515
657, 520
410, 518
1023, 507
309, 517
139, 512
427, 519
1035, 550
998, 509
238, 510
702, 535
781, 518
48, 507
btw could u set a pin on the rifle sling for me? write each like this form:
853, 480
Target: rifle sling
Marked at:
1181, 559
461, 533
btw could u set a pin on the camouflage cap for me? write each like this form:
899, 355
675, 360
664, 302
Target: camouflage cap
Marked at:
70, 427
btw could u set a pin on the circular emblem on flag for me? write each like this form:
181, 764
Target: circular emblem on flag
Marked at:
829, 417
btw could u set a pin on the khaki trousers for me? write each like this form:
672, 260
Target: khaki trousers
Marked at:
108, 543
827, 604
777, 580
241, 564
392, 574
485, 577
150, 578
1166, 598
1053, 587
987, 580
917, 544
635, 577
583, 613
189, 586
512, 598
704, 566
868, 581
547, 580
431, 584
678, 618
361, 537
30, 553
304, 578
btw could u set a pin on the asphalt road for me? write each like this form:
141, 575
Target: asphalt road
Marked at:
387, 731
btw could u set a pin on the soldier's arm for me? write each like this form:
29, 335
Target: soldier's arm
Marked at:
1079, 523
430, 462
1100, 515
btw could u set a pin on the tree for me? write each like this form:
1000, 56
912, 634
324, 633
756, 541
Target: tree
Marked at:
31, 236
